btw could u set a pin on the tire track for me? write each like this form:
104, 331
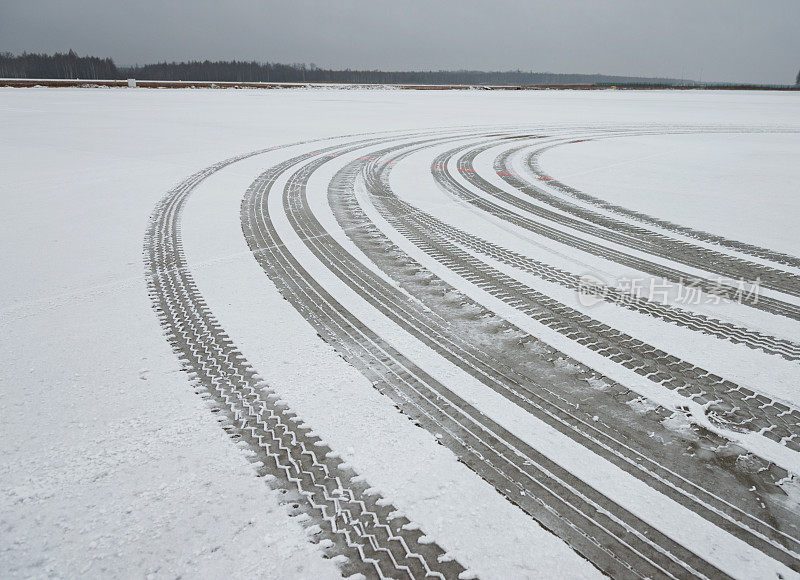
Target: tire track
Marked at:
534, 163
727, 404
385, 249
317, 237
765, 303
699, 322
358, 526
515, 389
639, 238
584, 519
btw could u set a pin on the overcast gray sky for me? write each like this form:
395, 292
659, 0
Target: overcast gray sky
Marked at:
716, 40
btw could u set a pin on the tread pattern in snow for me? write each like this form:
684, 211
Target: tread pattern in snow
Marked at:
533, 161
358, 527
564, 508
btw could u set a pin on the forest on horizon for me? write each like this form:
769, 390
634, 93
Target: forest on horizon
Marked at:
71, 66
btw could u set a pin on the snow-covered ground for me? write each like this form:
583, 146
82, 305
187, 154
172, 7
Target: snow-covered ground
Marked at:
112, 465
740, 185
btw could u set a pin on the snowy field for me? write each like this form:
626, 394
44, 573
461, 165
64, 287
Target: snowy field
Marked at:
314, 333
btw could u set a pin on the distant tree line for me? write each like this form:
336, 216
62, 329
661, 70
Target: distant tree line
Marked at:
240, 71
56, 66
70, 65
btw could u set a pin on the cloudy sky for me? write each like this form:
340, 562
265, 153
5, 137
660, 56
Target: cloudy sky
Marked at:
714, 40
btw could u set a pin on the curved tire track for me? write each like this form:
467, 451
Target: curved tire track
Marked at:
580, 514
356, 523
409, 387
675, 275
727, 404
534, 163
699, 322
